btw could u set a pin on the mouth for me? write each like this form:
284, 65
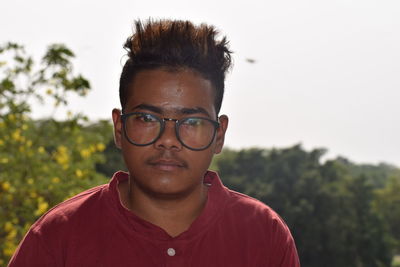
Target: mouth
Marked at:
167, 164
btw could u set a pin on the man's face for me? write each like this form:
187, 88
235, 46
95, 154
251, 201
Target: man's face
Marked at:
166, 167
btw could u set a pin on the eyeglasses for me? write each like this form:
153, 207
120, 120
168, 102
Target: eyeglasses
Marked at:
195, 133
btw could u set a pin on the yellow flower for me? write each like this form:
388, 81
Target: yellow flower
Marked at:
4, 160
62, 156
62, 149
100, 147
42, 206
79, 173
8, 226
6, 186
30, 181
9, 248
41, 150
24, 127
85, 153
33, 194
55, 180
11, 234
1, 142
16, 135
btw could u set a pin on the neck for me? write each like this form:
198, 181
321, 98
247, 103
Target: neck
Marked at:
173, 213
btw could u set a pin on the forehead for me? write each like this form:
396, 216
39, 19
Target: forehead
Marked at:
171, 90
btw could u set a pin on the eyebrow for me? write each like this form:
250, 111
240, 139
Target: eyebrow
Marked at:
149, 108
189, 111
183, 111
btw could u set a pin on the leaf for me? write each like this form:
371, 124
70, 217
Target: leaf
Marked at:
6, 85
58, 54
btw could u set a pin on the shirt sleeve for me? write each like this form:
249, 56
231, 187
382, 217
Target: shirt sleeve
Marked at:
32, 252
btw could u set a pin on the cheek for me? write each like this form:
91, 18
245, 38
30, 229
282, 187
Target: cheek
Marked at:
132, 155
203, 160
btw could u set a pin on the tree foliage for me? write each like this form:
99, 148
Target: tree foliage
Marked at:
329, 206
387, 204
42, 162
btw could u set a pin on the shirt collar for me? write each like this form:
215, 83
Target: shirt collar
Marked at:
216, 200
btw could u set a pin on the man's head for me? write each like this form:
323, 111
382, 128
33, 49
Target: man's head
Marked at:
174, 46
171, 91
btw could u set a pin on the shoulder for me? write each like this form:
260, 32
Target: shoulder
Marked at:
250, 206
241, 210
43, 244
256, 215
87, 207
264, 227
65, 213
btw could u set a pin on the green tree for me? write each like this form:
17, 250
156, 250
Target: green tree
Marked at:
42, 162
387, 204
327, 207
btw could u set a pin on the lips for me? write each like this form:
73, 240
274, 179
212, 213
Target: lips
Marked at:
167, 164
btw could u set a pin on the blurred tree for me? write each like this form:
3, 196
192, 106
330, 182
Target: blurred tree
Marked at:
387, 204
327, 208
377, 175
42, 162
113, 159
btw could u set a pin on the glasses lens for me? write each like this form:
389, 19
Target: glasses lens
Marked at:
196, 133
142, 128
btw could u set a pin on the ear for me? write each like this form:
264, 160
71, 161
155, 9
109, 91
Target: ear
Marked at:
116, 116
223, 126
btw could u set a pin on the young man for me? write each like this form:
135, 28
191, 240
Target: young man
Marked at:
168, 210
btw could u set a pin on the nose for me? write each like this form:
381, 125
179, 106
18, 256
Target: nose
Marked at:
168, 139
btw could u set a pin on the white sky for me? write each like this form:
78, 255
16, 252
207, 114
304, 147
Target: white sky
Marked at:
327, 73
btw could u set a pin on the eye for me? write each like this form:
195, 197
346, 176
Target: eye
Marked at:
148, 118
145, 118
194, 122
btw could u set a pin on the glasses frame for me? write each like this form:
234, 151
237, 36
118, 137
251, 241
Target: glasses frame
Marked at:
162, 122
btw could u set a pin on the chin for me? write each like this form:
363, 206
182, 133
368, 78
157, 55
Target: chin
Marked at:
167, 187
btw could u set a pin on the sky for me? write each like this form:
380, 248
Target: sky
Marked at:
326, 74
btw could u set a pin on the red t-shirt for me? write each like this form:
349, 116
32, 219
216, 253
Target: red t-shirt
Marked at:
94, 229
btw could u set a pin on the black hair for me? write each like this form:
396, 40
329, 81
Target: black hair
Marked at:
176, 45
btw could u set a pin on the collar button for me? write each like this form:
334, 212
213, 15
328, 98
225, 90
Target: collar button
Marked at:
171, 252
